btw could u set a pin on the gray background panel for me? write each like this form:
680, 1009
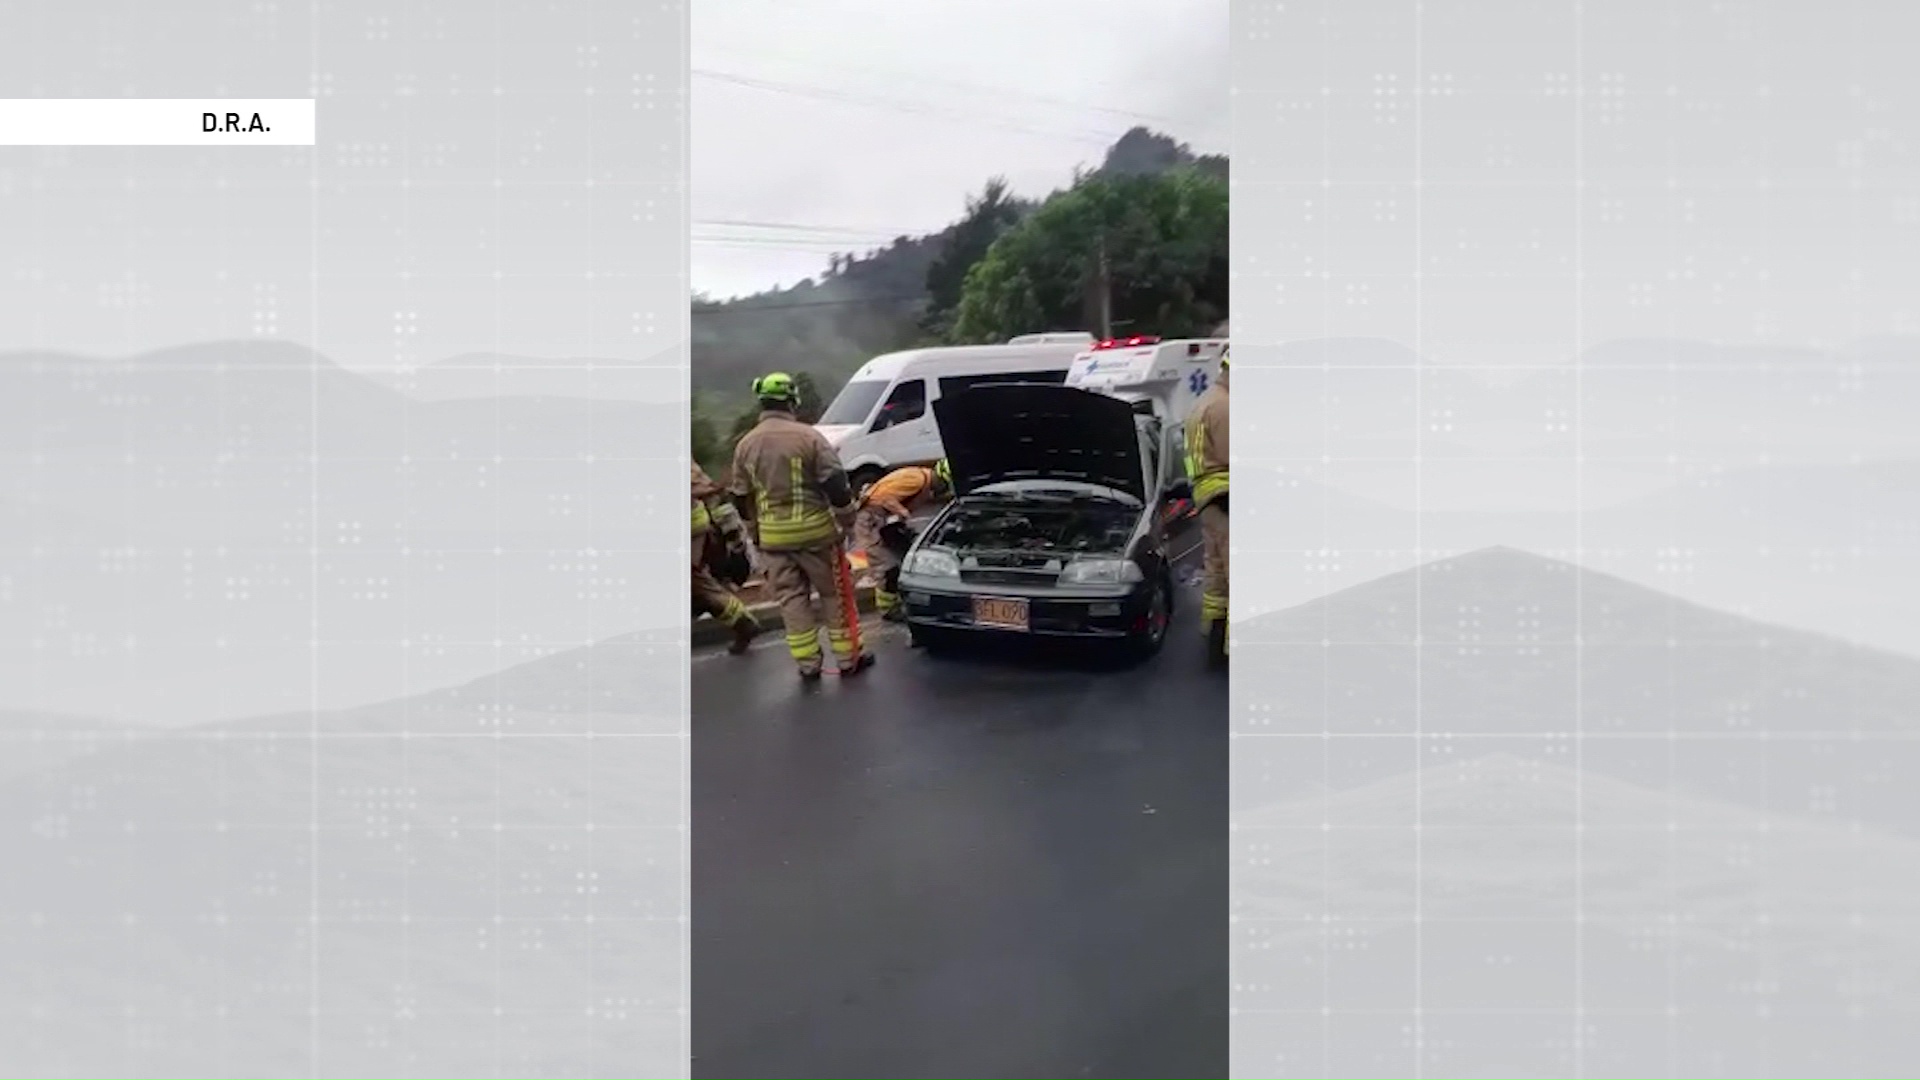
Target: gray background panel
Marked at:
1576, 684
342, 726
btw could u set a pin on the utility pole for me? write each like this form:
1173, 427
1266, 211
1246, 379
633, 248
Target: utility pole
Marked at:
1104, 295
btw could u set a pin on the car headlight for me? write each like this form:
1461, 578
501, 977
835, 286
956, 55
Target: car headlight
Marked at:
927, 563
1102, 572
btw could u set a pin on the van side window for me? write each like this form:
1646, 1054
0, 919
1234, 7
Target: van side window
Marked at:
907, 402
956, 384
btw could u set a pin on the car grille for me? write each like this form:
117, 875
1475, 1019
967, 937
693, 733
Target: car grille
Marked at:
1016, 568
1005, 576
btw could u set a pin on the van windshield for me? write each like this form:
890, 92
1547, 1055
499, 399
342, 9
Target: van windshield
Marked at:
855, 403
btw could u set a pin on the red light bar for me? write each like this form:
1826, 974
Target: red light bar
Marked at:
1126, 343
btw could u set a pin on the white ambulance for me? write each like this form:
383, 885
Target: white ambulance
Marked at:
1162, 379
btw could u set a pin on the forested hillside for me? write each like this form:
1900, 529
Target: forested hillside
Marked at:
1152, 213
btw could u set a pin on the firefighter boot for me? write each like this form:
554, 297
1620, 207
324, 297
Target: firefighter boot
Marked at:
745, 629
887, 598
1217, 644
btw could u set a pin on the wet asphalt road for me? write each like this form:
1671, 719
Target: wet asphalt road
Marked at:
1004, 866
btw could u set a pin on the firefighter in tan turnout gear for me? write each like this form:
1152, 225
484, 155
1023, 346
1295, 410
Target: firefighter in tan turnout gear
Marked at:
715, 525
788, 482
1207, 470
883, 530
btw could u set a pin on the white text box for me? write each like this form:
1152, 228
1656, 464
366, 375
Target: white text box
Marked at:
156, 121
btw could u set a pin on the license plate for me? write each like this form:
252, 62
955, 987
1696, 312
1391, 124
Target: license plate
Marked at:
1000, 614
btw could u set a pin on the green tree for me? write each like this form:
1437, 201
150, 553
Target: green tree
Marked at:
742, 424
811, 405
989, 215
1161, 238
706, 442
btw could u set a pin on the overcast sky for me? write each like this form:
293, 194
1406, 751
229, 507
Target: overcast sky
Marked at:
839, 124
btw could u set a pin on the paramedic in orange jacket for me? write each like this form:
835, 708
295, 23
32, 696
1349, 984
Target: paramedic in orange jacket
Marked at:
882, 525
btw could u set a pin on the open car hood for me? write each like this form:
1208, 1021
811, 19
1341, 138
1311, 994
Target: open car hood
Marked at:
994, 434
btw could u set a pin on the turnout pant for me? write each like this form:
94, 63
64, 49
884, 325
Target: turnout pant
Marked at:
1213, 589
716, 599
795, 577
885, 548
709, 595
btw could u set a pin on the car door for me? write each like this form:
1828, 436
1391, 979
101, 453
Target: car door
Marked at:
902, 431
1151, 452
1173, 458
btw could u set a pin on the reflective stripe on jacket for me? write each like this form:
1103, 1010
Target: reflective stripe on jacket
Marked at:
703, 489
783, 465
1207, 445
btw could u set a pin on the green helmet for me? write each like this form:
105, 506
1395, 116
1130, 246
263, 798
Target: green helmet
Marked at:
778, 386
943, 472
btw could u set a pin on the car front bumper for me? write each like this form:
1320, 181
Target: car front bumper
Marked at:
943, 604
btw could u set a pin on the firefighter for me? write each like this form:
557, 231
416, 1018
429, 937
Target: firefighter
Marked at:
713, 523
883, 525
1207, 470
787, 481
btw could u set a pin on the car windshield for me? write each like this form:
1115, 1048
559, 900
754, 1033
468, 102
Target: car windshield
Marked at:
855, 403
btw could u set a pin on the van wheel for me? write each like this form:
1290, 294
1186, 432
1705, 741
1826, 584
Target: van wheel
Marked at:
862, 476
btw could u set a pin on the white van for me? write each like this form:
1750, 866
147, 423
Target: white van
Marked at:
883, 418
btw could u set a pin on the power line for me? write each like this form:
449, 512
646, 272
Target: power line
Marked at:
800, 238
840, 242
769, 244
788, 226
808, 242
868, 101
896, 77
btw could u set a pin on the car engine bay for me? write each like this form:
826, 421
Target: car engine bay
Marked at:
1038, 525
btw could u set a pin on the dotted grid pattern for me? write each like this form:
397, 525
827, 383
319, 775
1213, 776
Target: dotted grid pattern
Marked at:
1576, 688
342, 731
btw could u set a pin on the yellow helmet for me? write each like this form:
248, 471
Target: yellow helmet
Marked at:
777, 386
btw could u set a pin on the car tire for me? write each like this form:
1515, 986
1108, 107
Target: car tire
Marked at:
1145, 645
932, 642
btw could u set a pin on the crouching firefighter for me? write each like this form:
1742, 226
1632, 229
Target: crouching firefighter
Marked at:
719, 542
787, 481
883, 527
1207, 470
